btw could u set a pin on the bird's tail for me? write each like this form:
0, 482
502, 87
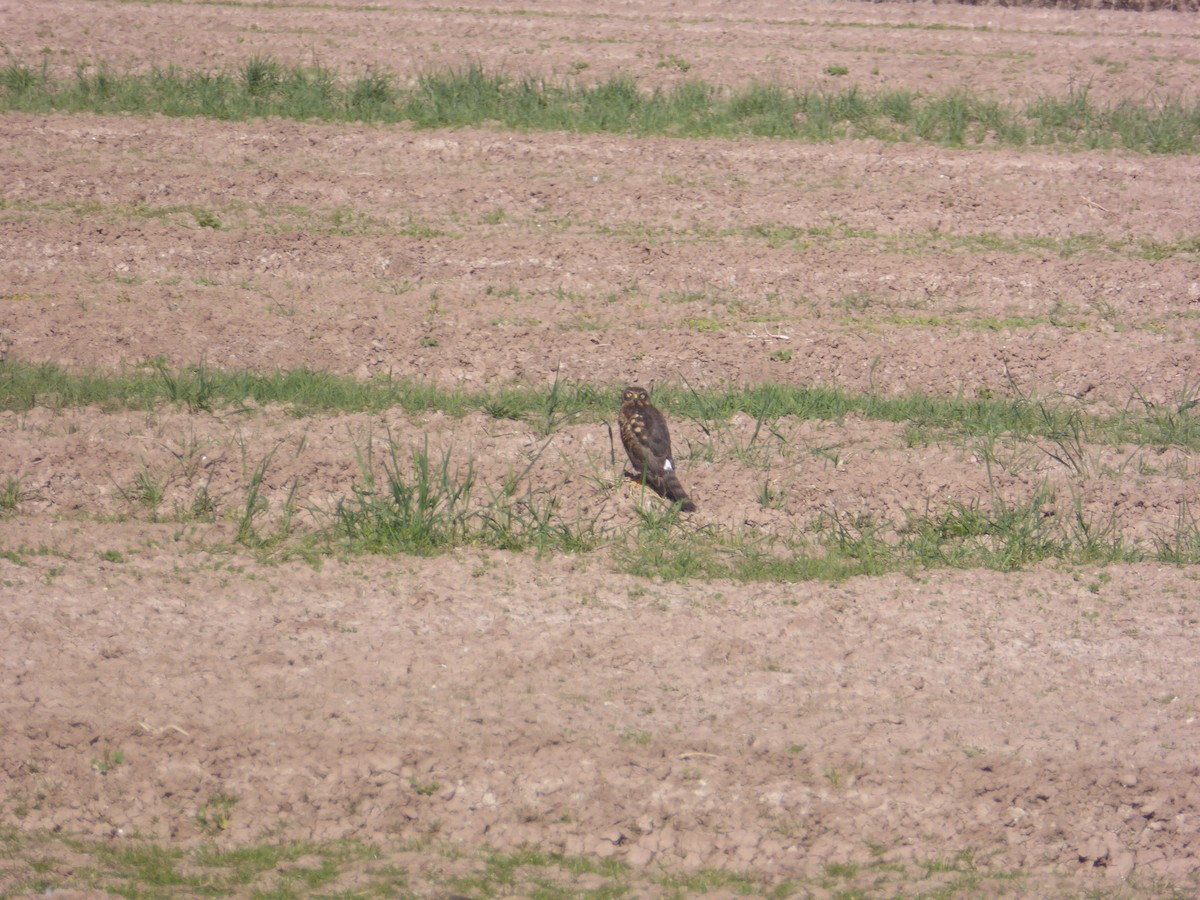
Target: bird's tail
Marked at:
675, 493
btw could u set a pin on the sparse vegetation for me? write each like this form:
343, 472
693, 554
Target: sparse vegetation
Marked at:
296, 868
426, 788
108, 761
147, 490
144, 868
216, 813
422, 502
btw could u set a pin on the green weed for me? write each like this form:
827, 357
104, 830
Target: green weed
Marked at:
428, 505
191, 386
146, 490
425, 789
1181, 545
12, 495
421, 508
206, 219
254, 506
202, 508
109, 761
216, 814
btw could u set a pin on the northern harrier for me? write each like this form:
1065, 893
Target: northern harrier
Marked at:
648, 443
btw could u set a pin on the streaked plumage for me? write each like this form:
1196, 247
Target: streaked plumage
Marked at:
648, 443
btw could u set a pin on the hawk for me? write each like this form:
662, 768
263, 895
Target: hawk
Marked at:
648, 443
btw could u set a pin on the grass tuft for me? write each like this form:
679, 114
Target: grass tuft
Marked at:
12, 495
430, 504
421, 511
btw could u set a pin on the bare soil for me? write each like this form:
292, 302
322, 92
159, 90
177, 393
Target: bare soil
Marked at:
1041, 723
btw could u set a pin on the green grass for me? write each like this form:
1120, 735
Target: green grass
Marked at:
421, 512
139, 868
146, 490
472, 96
254, 505
991, 533
429, 504
201, 389
12, 495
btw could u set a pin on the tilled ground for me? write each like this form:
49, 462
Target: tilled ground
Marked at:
1034, 730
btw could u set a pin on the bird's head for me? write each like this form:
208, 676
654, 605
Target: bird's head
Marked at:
634, 394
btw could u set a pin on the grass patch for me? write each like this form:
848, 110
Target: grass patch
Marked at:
421, 511
200, 389
531, 872
137, 868
993, 533
472, 96
429, 505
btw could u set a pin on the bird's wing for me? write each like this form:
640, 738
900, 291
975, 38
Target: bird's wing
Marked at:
658, 439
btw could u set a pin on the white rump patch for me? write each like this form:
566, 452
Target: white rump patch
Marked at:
667, 465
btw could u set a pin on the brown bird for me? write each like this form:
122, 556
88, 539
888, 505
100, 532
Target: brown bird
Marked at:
648, 443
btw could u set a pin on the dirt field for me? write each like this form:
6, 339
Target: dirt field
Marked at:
961, 731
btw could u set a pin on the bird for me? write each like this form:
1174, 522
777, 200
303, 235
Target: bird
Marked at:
648, 443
